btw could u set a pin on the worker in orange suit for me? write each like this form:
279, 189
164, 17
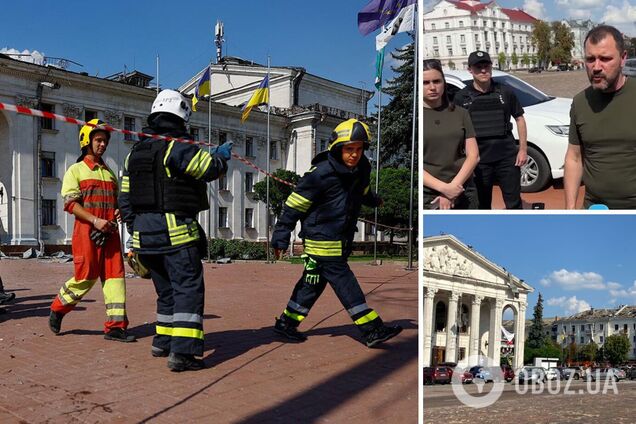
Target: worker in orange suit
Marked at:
89, 190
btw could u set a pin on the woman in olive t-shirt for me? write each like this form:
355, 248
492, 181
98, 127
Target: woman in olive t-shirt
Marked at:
450, 148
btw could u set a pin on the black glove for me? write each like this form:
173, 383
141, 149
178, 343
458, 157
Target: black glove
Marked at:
98, 237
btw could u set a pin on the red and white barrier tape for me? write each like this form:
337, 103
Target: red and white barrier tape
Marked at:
48, 115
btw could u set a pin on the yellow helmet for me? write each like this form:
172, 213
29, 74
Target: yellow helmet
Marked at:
349, 131
87, 131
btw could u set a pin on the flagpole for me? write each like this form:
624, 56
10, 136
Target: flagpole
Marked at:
410, 238
267, 220
377, 176
157, 73
210, 184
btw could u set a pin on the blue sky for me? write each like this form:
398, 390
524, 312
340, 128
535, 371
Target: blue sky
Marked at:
575, 261
319, 36
620, 13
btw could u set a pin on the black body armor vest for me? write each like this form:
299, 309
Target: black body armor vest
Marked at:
488, 113
151, 190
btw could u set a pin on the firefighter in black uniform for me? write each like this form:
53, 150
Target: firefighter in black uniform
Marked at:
163, 189
327, 201
491, 105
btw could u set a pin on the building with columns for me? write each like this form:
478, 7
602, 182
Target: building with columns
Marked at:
36, 152
453, 29
465, 297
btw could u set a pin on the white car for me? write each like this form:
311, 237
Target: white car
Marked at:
551, 374
548, 122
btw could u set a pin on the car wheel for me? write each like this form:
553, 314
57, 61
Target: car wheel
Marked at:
576, 376
535, 174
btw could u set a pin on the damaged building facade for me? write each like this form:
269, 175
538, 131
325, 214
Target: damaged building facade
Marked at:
465, 298
596, 325
36, 152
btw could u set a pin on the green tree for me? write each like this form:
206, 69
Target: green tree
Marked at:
278, 192
616, 348
549, 349
514, 59
536, 336
525, 60
394, 191
501, 59
451, 65
534, 59
561, 51
541, 38
397, 115
588, 352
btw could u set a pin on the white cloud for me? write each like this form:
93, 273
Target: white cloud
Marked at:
535, 8
623, 295
625, 14
571, 305
614, 286
578, 4
574, 280
25, 55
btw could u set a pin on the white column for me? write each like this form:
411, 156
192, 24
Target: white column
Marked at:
520, 336
451, 327
474, 325
428, 325
494, 339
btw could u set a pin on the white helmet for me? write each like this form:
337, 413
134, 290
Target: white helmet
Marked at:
172, 101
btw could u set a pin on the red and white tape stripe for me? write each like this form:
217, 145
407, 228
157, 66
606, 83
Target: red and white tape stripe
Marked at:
48, 115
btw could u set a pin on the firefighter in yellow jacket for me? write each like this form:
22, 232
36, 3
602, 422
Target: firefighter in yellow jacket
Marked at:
89, 190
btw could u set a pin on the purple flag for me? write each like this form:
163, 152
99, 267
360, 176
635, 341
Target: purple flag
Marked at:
379, 12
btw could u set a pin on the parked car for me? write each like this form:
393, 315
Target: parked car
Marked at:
630, 67
605, 373
548, 122
535, 69
575, 373
465, 377
551, 374
561, 373
631, 374
531, 375
508, 373
564, 67
479, 372
436, 375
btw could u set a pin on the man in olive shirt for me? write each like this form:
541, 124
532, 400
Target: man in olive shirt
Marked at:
602, 128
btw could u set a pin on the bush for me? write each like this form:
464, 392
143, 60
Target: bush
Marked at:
237, 249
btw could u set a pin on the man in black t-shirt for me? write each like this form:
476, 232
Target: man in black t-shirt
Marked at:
490, 106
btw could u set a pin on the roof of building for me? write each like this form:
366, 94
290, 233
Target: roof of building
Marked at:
622, 311
474, 6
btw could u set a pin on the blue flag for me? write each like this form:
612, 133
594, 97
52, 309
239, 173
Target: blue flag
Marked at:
379, 12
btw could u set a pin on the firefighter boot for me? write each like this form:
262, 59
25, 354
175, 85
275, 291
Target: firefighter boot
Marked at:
288, 329
55, 321
381, 333
178, 362
158, 352
120, 335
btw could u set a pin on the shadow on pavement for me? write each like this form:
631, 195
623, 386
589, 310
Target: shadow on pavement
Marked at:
310, 405
24, 307
230, 344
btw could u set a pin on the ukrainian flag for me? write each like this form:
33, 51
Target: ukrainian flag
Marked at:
260, 97
203, 88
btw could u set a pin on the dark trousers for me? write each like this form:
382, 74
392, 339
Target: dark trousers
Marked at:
346, 287
178, 280
507, 175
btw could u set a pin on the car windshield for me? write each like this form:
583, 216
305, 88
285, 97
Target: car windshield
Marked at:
527, 94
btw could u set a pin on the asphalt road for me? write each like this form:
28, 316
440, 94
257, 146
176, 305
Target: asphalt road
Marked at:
573, 403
